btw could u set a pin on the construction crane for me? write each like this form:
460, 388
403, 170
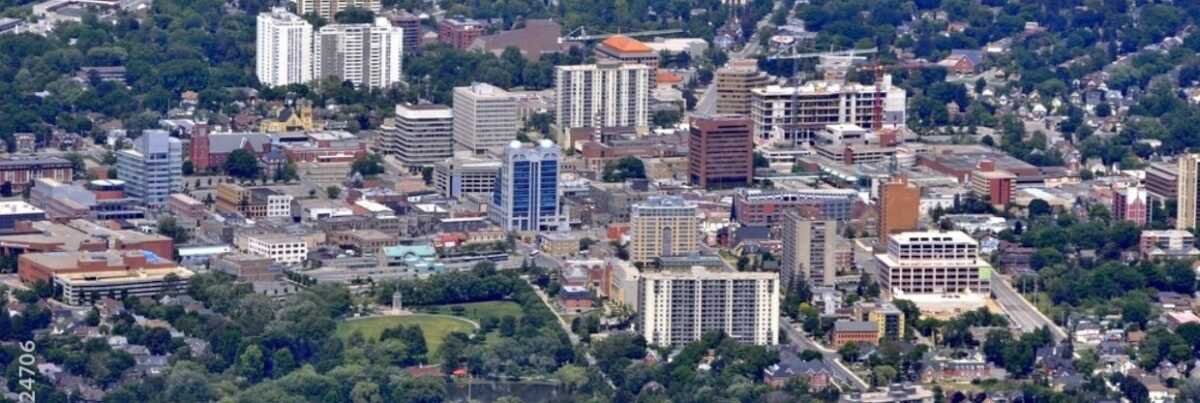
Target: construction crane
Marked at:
581, 34
793, 53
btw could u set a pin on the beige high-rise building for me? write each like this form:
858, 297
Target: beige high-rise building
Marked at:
809, 250
734, 82
1186, 206
663, 226
485, 117
328, 8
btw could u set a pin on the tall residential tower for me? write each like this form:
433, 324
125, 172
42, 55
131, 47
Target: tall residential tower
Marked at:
608, 94
283, 49
1188, 185
368, 55
676, 307
663, 226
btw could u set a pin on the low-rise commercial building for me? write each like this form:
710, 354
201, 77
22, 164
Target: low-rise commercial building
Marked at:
853, 331
1168, 244
253, 202
465, 175
282, 248
86, 277
754, 207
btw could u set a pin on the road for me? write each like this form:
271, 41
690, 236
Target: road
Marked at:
1020, 311
804, 343
587, 355
707, 104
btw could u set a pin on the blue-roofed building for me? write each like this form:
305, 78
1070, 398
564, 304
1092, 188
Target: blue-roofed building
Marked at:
413, 259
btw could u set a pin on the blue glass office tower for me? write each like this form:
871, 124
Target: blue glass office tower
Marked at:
526, 193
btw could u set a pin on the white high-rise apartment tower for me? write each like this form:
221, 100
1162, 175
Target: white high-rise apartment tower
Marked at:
608, 94
676, 307
368, 55
327, 9
1186, 205
283, 49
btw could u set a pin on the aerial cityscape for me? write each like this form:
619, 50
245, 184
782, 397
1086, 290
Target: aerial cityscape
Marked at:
420, 201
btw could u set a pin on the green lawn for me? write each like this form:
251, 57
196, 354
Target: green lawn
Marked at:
476, 311
435, 327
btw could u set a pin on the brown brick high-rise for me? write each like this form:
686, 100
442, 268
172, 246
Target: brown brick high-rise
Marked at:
899, 205
721, 152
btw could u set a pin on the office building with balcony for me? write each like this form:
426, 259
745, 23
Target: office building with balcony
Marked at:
603, 95
734, 82
328, 9
809, 250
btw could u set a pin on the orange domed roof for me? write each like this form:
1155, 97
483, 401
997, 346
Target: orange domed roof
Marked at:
622, 43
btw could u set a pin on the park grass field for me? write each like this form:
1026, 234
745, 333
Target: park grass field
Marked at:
434, 327
476, 311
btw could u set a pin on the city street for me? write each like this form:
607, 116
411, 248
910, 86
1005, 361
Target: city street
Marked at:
1020, 311
801, 340
707, 103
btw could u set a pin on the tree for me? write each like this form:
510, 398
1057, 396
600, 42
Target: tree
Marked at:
883, 375
354, 15
169, 227
251, 364
282, 362
571, 376
624, 168
370, 165
1039, 207
585, 243
760, 161
849, 352
188, 168
242, 164
366, 392
333, 192
1103, 110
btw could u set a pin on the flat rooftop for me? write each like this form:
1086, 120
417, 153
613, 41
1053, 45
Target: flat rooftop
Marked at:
18, 207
